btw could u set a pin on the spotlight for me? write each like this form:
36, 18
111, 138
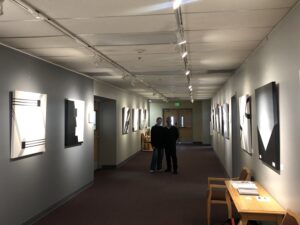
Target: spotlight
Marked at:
176, 4
182, 42
187, 72
184, 55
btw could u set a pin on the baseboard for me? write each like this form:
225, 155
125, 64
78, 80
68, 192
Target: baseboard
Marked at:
45, 212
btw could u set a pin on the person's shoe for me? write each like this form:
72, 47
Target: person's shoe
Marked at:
167, 170
175, 172
151, 171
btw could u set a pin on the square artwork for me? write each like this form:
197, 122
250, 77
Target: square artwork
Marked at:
245, 123
28, 128
74, 122
126, 113
268, 124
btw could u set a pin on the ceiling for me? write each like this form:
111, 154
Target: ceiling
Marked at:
133, 44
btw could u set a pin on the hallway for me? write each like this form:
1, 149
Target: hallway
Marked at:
130, 195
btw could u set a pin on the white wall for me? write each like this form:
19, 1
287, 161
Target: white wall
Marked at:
127, 144
277, 59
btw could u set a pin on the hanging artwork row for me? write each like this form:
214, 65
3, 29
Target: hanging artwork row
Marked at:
267, 126
137, 118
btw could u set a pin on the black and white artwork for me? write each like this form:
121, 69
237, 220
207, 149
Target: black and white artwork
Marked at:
28, 128
135, 120
141, 119
221, 122
126, 113
268, 124
145, 118
74, 122
226, 120
217, 118
245, 123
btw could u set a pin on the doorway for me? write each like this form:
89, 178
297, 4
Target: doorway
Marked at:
182, 119
105, 133
235, 136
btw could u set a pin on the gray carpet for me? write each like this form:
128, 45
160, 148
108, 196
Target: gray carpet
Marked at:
130, 195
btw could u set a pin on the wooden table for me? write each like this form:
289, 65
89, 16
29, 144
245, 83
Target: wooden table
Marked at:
255, 207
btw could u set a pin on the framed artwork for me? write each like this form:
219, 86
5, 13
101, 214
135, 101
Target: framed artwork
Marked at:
28, 123
268, 124
135, 120
245, 123
226, 120
221, 122
126, 113
141, 119
145, 118
212, 118
217, 118
74, 122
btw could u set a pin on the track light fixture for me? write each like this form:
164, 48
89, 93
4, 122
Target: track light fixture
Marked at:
187, 72
1, 7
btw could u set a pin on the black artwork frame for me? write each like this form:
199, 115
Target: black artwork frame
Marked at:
267, 113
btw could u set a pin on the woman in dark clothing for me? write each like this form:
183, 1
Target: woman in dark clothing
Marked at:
157, 142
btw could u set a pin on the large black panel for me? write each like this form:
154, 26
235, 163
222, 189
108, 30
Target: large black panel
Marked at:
268, 124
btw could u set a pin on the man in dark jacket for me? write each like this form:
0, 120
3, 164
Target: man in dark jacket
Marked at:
157, 141
171, 136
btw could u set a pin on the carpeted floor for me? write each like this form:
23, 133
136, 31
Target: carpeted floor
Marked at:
130, 195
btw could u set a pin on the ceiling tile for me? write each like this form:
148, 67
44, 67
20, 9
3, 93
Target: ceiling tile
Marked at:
119, 25
165, 37
27, 29
233, 5
103, 8
229, 20
228, 35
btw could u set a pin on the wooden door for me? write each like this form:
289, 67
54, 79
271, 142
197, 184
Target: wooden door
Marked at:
182, 119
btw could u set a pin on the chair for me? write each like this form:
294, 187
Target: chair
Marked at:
217, 192
291, 218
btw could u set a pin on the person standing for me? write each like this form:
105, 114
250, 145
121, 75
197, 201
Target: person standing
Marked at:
171, 137
157, 142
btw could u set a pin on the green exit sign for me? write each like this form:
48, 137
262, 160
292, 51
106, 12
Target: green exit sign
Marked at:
177, 104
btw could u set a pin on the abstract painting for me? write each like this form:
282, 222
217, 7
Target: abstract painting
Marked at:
135, 120
217, 118
226, 120
221, 122
74, 122
268, 124
245, 123
145, 118
141, 119
126, 113
28, 128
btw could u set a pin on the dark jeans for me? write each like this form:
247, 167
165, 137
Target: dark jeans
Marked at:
157, 156
171, 156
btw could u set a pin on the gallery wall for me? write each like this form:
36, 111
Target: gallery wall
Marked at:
276, 59
201, 116
32, 184
127, 144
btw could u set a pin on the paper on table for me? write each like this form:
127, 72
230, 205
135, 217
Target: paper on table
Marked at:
247, 191
243, 184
